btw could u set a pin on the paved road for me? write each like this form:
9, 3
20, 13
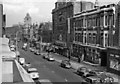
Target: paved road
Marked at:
50, 70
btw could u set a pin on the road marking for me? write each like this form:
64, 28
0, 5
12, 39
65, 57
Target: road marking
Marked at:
66, 80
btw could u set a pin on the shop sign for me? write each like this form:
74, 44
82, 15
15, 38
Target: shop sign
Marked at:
115, 64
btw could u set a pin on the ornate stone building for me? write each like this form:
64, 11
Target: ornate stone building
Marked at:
27, 29
92, 34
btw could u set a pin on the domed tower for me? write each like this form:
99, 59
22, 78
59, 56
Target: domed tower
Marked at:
27, 26
27, 20
96, 4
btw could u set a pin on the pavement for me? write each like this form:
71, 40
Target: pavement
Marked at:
76, 65
16, 76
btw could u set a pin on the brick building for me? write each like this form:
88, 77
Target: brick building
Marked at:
92, 34
62, 32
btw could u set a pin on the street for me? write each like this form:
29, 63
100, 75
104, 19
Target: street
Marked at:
50, 70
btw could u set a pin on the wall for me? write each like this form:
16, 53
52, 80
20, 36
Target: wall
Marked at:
1, 16
1, 13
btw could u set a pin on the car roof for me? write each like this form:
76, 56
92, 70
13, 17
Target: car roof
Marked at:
34, 73
93, 77
45, 80
32, 69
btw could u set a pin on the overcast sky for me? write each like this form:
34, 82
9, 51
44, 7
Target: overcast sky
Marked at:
39, 10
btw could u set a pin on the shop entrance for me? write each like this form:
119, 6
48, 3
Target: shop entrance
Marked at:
103, 55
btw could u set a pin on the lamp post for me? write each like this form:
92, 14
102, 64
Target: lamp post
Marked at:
16, 40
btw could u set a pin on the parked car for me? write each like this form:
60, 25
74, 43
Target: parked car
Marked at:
12, 49
83, 71
27, 65
103, 79
12, 46
24, 47
33, 73
31, 49
93, 80
65, 64
45, 55
37, 52
95, 73
50, 58
106, 79
22, 61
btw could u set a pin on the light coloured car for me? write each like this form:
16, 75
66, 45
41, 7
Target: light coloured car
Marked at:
29, 70
22, 61
12, 46
50, 58
31, 49
37, 52
34, 75
12, 49
65, 64
93, 80
45, 55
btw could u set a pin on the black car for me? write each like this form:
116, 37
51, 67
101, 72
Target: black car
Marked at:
65, 64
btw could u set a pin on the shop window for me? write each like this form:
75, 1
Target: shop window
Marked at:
106, 21
113, 18
115, 64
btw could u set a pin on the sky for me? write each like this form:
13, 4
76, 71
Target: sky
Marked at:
39, 10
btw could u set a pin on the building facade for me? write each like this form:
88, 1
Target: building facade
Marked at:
113, 56
1, 19
62, 32
92, 34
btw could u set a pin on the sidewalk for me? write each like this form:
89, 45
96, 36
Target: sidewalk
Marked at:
75, 65
16, 76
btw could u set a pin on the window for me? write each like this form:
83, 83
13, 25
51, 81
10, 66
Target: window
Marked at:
106, 39
113, 19
106, 20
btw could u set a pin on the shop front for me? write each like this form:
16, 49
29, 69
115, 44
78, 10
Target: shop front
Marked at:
113, 63
95, 55
78, 51
60, 48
